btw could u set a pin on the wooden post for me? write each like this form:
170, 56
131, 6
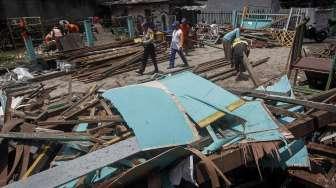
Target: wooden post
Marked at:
70, 88
331, 74
249, 68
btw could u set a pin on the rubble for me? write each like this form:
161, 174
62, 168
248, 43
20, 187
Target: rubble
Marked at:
178, 128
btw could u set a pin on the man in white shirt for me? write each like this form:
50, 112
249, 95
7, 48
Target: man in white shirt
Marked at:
176, 46
56, 35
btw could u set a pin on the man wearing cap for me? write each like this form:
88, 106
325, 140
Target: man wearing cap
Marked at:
176, 45
149, 48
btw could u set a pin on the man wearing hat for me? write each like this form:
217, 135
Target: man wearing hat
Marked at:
176, 45
149, 49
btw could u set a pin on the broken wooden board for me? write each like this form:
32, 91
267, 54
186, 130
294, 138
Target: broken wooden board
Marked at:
80, 166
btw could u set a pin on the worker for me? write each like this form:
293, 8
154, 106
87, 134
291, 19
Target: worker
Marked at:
71, 28
227, 43
149, 48
214, 29
56, 34
176, 46
185, 27
239, 48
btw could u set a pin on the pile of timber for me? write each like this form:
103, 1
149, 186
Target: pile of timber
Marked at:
221, 69
99, 62
260, 38
315, 124
36, 126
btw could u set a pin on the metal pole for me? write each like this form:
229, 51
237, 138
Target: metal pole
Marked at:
88, 33
289, 18
130, 25
30, 48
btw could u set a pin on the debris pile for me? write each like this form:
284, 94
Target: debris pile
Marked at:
209, 133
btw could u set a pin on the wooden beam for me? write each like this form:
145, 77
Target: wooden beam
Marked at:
83, 119
301, 127
322, 149
46, 136
311, 104
80, 166
250, 70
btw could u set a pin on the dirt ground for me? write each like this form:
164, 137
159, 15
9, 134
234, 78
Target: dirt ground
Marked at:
275, 65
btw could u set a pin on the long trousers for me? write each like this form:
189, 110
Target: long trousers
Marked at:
149, 50
173, 55
227, 50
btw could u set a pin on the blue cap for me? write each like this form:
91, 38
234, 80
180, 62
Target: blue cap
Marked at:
175, 24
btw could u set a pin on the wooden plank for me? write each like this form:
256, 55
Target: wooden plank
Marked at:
82, 119
310, 179
301, 127
46, 136
322, 149
280, 111
322, 118
311, 104
249, 68
64, 173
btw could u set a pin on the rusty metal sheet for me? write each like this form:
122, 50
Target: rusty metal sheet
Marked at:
314, 64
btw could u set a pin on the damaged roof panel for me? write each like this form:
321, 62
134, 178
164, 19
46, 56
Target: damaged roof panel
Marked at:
201, 99
153, 116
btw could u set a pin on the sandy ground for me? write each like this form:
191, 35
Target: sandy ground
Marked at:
268, 70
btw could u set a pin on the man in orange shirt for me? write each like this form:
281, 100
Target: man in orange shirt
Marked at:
185, 27
72, 28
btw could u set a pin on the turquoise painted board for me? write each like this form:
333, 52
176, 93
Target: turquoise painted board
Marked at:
153, 116
259, 125
294, 155
284, 86
256, 23
198, 96
91, 177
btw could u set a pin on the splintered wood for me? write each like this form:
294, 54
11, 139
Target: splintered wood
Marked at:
38, 123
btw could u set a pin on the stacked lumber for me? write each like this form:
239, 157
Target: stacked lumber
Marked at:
97, 63
221, 69
260, 38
